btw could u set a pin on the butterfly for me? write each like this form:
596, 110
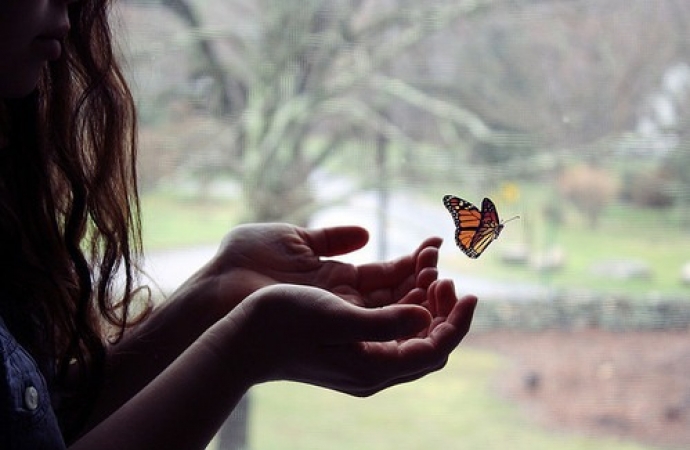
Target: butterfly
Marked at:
475, 229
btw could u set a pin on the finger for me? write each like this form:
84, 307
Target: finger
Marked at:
417, 357
374, 366
427, 257
386, 275
447, 335
442, 298
378, 325
427, 276
433, 241
397, 273
335, 240
416, 296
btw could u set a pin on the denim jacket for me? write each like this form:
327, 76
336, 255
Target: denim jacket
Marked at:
27, 419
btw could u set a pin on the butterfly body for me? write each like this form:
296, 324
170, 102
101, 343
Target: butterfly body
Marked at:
475, 229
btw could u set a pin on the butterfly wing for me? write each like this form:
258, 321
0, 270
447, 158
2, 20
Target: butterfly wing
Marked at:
475, 229
467, 222
489, 228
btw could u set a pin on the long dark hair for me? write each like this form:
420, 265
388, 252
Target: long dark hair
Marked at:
69, 213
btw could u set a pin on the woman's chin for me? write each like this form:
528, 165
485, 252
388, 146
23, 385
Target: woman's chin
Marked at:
19, 86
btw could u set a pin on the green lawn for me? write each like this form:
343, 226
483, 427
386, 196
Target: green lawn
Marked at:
170, 221
625, 232
649, 236
453, 409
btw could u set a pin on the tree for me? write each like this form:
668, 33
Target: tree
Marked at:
307, 79
590, 189
294, 82
570, 73
284, 85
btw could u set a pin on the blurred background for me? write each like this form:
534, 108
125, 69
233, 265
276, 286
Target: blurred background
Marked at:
574, 115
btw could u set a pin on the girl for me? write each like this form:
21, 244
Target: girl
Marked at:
86, 360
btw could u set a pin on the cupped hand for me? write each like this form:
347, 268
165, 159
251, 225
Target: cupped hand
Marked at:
310, 335
255, 256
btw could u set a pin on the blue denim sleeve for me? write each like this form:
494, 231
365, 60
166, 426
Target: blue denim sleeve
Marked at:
27, 419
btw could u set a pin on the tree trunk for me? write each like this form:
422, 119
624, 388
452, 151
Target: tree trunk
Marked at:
233, 434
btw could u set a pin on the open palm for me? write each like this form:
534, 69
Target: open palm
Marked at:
255, 256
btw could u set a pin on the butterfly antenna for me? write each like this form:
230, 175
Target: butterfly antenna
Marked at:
508, 220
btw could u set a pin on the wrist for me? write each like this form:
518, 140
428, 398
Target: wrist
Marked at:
211, 293
237, 342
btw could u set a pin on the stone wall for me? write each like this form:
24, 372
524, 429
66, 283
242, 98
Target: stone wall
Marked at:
576, 311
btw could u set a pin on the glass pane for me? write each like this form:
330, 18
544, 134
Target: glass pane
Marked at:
573, 116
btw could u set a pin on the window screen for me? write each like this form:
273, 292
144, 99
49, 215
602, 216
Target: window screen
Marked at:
573, 115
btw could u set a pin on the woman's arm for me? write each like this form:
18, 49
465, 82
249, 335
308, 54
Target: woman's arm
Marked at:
250, 258
149, 348
183, 405
285, 332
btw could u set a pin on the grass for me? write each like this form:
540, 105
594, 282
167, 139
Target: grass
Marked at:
452, 409
170, 221
583, 250
654, 238
624, 232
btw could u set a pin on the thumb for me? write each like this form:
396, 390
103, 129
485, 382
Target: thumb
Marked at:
381, 324
335, 241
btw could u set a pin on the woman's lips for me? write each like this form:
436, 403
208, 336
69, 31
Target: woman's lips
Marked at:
49, 44
50, 48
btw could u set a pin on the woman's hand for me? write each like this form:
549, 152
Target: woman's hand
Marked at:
309, 335
290, 332
268, 307
255, 256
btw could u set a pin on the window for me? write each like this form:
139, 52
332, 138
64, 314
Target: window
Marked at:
574, 115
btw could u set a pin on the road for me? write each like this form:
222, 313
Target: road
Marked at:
409, 222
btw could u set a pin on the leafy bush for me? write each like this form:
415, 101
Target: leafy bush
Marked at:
648, 190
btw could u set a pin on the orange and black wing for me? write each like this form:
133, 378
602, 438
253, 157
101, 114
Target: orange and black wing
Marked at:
489, 228
475, 229
467, 221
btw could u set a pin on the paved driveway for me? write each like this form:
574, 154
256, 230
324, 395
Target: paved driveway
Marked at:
408, 222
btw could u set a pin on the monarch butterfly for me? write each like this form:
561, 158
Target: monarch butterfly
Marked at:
475, 229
